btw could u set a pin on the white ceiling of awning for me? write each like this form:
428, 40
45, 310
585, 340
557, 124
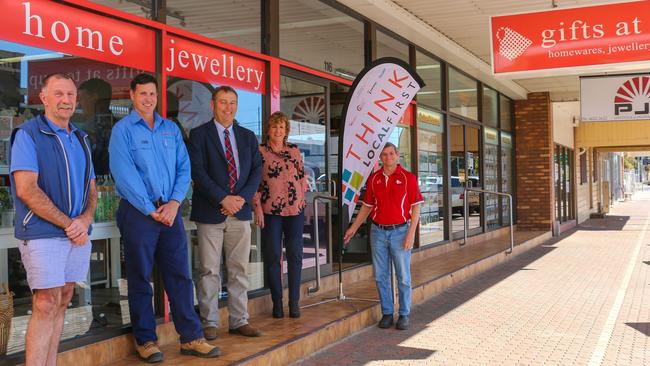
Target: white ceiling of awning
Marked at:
466, 23
454, 30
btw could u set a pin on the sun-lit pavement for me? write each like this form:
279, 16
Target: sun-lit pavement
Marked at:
583, 298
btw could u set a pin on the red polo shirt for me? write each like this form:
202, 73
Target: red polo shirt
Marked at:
392, 196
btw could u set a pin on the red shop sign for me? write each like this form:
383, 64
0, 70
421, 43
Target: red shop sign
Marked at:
196, 61
566, 38
53, 26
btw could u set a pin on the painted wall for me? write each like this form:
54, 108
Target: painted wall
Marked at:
613, 134
564, 115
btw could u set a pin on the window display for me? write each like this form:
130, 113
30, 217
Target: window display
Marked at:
506, 175
430, 176
491, 151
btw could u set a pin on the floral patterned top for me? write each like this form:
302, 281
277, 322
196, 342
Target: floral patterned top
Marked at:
283, 187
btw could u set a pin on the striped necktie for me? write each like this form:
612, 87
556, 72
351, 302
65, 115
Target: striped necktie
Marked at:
230, 158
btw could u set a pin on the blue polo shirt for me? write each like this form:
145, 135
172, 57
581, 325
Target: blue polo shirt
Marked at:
23, 157
148, 164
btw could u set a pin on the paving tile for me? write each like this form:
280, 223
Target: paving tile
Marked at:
567, 302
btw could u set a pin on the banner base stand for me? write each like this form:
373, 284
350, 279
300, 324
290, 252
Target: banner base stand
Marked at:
341, 297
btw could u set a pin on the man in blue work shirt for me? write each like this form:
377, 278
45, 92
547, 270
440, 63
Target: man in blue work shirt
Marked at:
151, 168
53, 186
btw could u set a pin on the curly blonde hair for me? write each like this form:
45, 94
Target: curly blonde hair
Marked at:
276, 118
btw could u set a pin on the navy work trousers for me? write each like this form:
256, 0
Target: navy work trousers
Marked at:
145, 241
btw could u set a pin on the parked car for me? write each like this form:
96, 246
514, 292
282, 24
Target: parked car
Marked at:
457, 195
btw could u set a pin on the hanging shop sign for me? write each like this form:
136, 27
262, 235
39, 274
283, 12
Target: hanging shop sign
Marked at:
52, 26
490, 136
197, 61
570, 38
615, 98
379, 97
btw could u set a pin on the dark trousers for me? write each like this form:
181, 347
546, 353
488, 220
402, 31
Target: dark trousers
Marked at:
145, 241
275, 227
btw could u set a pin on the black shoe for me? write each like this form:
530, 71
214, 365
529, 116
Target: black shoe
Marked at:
294, 311
278, 312
403, 322
386, 321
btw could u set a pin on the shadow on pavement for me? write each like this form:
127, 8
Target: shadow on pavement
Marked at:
608, 223
374, 344
641, 327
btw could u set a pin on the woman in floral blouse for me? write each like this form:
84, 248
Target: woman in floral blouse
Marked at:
279, 209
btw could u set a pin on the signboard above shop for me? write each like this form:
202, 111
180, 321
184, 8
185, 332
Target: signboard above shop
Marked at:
575, 39
615, 98
200, 62
52, 26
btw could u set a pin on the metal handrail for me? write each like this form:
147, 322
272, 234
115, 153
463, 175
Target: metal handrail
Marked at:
466, 213
317, 238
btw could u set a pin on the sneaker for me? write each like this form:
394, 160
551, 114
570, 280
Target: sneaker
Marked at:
386, 321
200, 348
149, 352
246, 330
402, 322
210, 333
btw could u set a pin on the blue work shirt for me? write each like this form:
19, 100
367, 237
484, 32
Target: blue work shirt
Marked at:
148, 165
233, 142
23, 157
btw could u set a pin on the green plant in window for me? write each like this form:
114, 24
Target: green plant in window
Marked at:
6, 202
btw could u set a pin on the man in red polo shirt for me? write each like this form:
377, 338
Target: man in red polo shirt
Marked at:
392, 200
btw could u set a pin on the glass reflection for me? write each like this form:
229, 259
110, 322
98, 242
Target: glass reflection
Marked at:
462, 94
430, 175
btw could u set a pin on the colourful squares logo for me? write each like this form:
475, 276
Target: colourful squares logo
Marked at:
346, 175
356, 180
349, 195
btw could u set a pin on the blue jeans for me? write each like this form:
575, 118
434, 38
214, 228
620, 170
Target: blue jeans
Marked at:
387, 247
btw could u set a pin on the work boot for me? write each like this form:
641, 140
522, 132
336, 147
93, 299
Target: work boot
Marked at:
386, 321
149, 352
210, 333
402, 322
200, 348
246, 330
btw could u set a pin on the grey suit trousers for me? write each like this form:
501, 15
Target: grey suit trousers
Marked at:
233, 238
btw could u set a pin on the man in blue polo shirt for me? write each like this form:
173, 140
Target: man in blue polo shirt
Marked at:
149, 162
53, 186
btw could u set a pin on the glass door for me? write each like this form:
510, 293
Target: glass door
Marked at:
465, 168
305, 100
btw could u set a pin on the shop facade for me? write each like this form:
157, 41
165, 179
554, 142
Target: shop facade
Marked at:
297, 57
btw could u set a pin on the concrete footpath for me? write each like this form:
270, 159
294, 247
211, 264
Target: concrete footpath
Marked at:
580, 299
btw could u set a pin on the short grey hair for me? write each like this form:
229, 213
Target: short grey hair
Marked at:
56, 75
390, 144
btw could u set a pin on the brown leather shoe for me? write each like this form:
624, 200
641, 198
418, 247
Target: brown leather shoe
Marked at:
149, 352
210, 333
246, 330
200, 348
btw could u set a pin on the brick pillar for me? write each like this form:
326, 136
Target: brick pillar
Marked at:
534, 162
